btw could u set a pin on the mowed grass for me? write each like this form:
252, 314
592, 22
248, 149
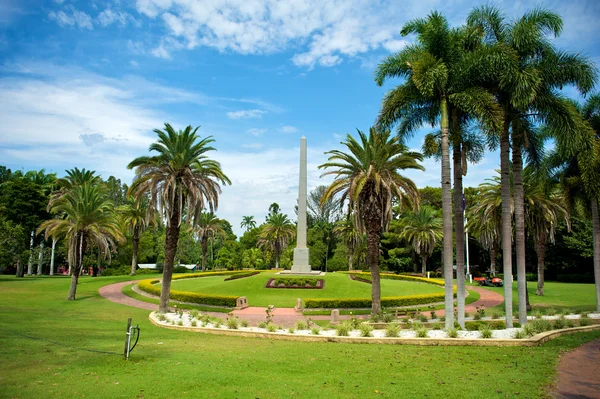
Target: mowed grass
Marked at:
571, 297
172, 364
337, 285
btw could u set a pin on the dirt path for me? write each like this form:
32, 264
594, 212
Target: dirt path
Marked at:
579, 373
284, 316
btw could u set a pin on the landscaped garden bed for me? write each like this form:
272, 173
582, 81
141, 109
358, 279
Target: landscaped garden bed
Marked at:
296, 282
242, 275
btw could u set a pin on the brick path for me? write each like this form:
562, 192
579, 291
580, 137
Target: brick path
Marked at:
487, 299
579, 373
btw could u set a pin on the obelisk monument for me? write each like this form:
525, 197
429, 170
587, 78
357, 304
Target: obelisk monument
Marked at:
301, 263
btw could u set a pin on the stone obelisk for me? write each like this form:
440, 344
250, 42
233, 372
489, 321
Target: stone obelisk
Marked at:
301, 252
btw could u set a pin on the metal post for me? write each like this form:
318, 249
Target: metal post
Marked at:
127, 339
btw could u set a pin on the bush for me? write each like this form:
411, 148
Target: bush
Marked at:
392, 330
422, 333
117, 271
519, 334
315, 330
241, 275
474, 325
139, 272
271, 327
233, 323
559, 324
180, 269
498, 325
300, 325
575, 278
452, 333
343, 329
366, 330
585, 321
397, 301
296, 281
388, 317
389, 276
486, 332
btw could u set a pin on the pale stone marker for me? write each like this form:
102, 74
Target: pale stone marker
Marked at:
298, 307
335, 315
241, 303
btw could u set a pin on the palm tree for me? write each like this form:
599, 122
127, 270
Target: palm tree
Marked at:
485, 221
526, 72
88, 219
208, 226
422, 228
248, 222
346, 230
275, 234
367, 176
435, 85
136, 216
179, 177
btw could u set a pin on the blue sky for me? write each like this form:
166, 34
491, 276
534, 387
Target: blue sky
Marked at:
83, 83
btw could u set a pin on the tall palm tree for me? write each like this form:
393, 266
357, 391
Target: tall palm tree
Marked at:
136, 216
367, 176
435, 85
180, 177
275, 234
485, 222
248, 222
526, 72
422, 228
88, 219
346, 230
207, 227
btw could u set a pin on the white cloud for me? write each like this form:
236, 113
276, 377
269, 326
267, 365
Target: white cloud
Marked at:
253, 146
136, 47
76, 18
256, 131
288, 129
134, 64
161, 52
108, 17
246, 114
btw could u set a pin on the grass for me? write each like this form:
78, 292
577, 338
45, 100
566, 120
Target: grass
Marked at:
128, 290
174, 364
337, 285
571, 297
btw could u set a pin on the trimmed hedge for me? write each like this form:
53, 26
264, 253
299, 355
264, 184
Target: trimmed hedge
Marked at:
241, 275
389, 276
150, 287
392, 301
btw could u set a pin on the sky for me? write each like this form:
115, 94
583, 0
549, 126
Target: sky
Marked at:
84, 83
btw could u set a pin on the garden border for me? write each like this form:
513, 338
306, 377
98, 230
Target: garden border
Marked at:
536, 340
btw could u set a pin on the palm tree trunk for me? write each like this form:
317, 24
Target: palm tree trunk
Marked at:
171, 239
519, 198
373, 237
506, 221
459, 227
350, 259
424, 265
40, 259
493, 259
447, 216
76, 268
204, 252
541, 255
30, 263
52, 257
596, 236
135, 243
20, 269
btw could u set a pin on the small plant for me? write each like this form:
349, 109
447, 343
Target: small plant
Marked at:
365, 330
161, 317
388, 317
205, 319
291, 330
392, 330
443, 319
422, 333
407, 322
422, 318
179, 322
560, 323
271, 327
194, 313
585, 321
343, 329
551, 311
477, 316
467, 315
569, 323
528, 330
172, 323
194, 323
300, 325
315, 330
585, 314
433, 315
269, 311
375, 317
495, 315
416, 325
354, 321
486, 332
262, 324
452, 333
519, 334
217, 322
436, 326
244, 323
538, 314
233, 323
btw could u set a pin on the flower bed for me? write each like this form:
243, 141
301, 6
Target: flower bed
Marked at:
296, 283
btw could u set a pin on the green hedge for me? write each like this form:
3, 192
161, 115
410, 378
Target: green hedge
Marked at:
393, 301
390, 276
150, 287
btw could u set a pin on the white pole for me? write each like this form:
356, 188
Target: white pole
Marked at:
52, 257
467, 243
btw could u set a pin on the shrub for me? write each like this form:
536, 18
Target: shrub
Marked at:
392, 330
375, 317
271, 327
474, 325
569, 323
519, 334
233, 323
217, 322
180, 269
452, 333
343, 329
290, 330
244, 323
551, 311
262, 324
486, 332
194, 313
193, 297
389, 276
476, 316
139, 272
117, 271
422, 318
498, 325
560, 323
296, 281
241, 275
161, 317
436, 326
433, 315
315, 330
585, 321
388, 317
344, 303
179, 322
495, 315
538, 326
422, 333
300, 325
194, 323
365, 330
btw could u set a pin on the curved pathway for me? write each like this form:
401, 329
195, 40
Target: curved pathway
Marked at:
283, 316
579, 373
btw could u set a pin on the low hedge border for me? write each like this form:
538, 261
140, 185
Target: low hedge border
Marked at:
389, 276
319, 286
244, 275
150, 287
393, 301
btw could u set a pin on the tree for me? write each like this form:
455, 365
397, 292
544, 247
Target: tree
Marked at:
422, 228
321, 212
274, 209
179, 177
436, 87
136, 216
527, 72
367, 177
207, 226
248, 222
350, 235
276, 234
88, 220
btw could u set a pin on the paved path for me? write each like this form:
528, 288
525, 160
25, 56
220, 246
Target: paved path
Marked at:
579, 373
284, 316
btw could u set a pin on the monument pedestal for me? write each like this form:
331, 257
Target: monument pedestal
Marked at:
301, 261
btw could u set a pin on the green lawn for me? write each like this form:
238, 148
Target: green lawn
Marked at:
172, 364
568, 296
337, 285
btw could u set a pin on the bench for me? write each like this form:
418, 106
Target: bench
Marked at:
405, 312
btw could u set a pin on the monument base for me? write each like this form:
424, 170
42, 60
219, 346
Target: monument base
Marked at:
308, 273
